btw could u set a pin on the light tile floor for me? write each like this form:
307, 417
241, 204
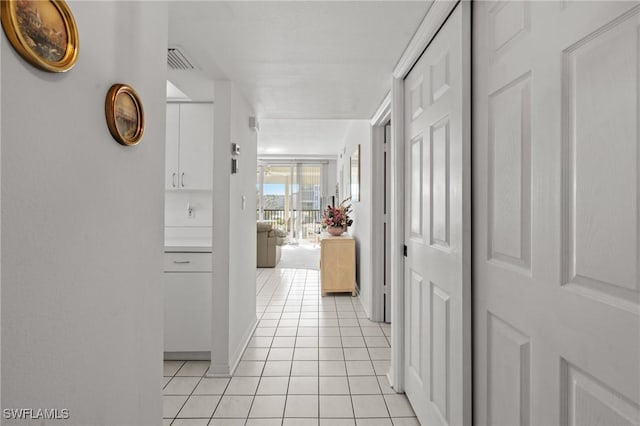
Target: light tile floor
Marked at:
312, 361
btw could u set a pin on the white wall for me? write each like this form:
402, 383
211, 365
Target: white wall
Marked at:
242, 279
221, 235
1, 405
359, 132
331, 179
234, 230
179, 227
82, 225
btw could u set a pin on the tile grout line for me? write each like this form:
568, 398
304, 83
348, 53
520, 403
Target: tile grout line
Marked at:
219, 400
188, 396
163, 388
296, 293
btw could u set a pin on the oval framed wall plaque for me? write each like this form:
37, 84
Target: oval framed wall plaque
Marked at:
44, 33
125, 115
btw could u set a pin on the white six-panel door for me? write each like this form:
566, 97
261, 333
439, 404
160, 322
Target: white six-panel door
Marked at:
437, 224
556, 213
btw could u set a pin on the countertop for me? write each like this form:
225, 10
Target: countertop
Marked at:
187, 246
327, 236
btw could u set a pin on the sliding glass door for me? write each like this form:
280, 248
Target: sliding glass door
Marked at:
311, 200
275, 193
289, 196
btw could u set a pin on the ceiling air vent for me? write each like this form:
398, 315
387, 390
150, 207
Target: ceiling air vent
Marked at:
178, 60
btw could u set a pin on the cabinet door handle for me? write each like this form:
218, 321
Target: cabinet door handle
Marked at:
181, 261
182, 179
173, 180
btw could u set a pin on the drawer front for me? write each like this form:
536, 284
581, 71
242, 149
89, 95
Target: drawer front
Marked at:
187, 262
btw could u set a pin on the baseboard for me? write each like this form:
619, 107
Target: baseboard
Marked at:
188, 356
369, 317
218, 370
364, 305
227, 370
234, 360
390, 379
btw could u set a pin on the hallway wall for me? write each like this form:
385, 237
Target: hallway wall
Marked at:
242, 292
234, 229
359, 132
331, 180
82, 225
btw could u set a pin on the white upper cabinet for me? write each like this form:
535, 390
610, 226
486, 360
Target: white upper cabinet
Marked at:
189, 146
196, 144
172, 165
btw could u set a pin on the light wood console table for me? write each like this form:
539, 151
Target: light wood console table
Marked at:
337, 264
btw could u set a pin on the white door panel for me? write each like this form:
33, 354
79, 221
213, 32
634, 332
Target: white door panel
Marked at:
437, 306
556, 213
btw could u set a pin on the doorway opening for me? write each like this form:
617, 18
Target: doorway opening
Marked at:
386, 252
290, 198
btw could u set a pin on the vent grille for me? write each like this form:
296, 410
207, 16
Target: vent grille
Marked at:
178, 60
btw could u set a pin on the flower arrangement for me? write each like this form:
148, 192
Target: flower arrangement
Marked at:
337, 216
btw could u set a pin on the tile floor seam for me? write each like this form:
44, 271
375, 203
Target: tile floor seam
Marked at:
219, 400
292, 297
189, 396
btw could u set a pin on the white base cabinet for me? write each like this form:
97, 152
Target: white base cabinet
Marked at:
187, 303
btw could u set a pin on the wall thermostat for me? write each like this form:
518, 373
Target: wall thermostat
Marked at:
235, 149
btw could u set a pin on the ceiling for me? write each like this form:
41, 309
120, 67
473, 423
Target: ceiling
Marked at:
301, 137
299, 59
313, 61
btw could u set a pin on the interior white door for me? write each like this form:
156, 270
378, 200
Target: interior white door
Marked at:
437, 228
556, 214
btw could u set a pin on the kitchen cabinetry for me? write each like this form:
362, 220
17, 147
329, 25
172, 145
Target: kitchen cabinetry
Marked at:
337, 264
189, 146
187, 305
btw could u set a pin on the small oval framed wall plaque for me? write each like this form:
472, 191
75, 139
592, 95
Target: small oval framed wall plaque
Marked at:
43, 32
125, 116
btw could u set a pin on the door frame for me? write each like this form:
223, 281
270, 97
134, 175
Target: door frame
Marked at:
434, 19
295, 167
378, 122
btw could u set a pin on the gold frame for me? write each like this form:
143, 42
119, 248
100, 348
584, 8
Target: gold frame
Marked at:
9, 24
110, 112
